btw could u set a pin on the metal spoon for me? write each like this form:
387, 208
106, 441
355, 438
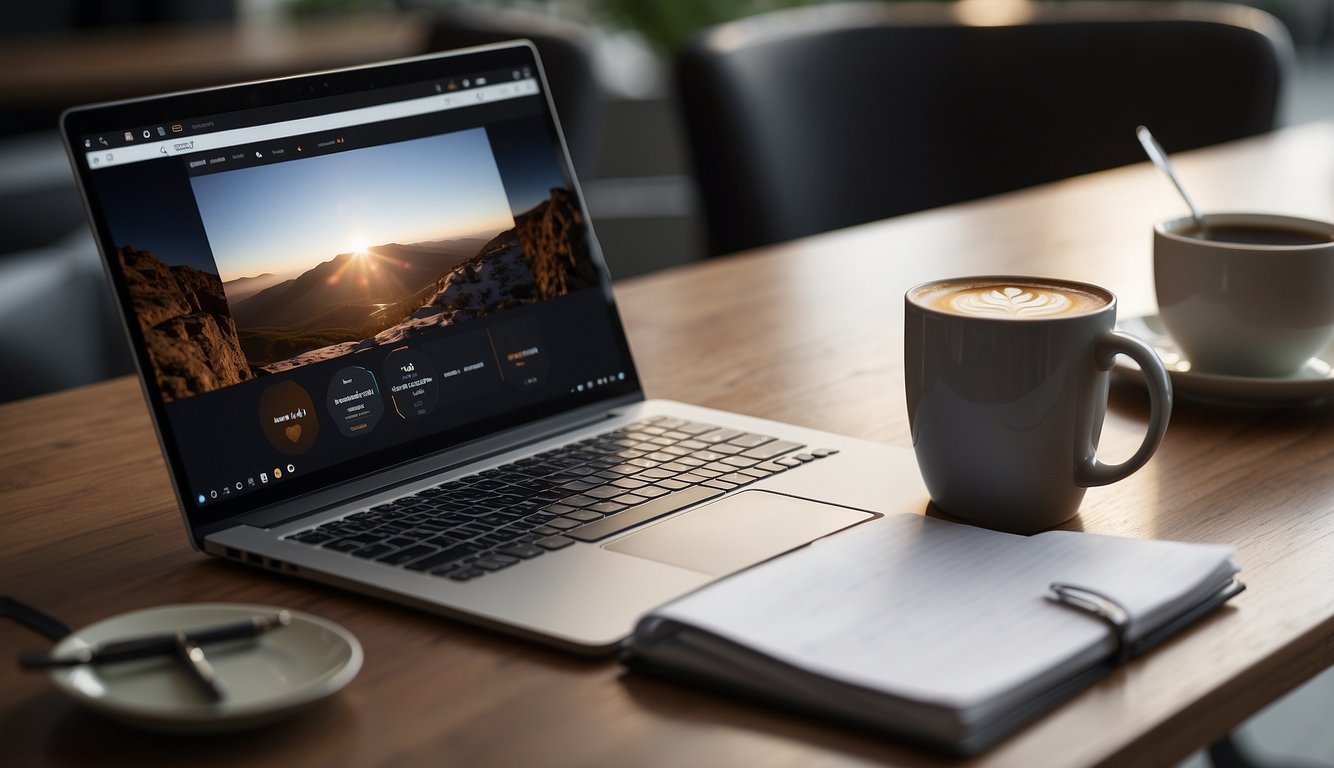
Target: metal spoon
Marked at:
1155, 152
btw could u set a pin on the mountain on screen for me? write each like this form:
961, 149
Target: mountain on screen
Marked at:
390, 293
243, 288
350, 289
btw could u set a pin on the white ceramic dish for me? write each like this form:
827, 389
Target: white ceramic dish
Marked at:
1312, 382
265, 678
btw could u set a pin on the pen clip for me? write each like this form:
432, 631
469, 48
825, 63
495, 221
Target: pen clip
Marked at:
1100, 605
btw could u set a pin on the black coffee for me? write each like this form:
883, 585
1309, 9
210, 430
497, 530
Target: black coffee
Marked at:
1256, 235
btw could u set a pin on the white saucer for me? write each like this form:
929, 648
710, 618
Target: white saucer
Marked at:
265, 678
1314, 381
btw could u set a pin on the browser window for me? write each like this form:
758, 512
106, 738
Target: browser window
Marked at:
322, 288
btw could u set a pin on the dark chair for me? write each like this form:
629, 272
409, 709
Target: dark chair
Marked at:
567, 60
812, 119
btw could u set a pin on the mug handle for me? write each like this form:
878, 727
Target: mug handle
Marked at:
1093, 472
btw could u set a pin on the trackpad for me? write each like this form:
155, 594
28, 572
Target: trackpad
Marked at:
738, 531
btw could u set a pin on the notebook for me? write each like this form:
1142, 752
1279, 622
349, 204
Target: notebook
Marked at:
378, 340
939, 632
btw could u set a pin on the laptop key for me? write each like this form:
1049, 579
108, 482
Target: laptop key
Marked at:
495, 562
373, 551
603, 492
657, 474
583, 515
718, 436
661, 489
751, 440
522, 551
719, 467
770, 450
678, 466
312, 537
651, 510
561, 524
465, 574
727, 449
406, 555
555, 542
352, 542
721, 485
443, 556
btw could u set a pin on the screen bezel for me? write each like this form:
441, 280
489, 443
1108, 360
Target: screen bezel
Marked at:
294, 91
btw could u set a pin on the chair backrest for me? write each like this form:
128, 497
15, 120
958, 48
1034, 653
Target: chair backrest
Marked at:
807, 120
567, 60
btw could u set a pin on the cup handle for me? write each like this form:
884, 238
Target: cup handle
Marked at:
1093, 472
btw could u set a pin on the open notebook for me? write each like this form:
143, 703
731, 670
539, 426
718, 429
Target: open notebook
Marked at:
944, 633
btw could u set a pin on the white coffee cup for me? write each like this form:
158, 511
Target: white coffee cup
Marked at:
1259, 309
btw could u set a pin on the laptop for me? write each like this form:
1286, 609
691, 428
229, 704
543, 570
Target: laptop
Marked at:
378, 341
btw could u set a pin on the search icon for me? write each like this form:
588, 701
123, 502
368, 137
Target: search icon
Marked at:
162, 149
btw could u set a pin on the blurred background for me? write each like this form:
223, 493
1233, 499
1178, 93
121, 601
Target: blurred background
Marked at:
633, 163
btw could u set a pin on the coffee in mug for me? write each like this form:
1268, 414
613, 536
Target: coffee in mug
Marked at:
1253, 295
1018, 300
1255, 235
1007, 381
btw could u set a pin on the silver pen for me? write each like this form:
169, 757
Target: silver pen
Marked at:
196, 663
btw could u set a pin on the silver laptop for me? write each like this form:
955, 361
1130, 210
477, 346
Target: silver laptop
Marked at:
379, 344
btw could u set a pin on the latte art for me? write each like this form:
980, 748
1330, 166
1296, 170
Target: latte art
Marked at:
1012, 301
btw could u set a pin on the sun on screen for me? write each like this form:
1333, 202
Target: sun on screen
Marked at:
359, 247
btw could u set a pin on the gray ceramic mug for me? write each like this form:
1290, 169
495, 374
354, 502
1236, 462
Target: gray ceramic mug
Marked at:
1007, 381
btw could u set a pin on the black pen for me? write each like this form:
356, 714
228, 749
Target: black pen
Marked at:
156, 645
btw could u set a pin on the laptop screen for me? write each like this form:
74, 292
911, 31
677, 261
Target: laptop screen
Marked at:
330, 275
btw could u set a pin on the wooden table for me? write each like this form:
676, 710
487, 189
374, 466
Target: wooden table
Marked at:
808, 332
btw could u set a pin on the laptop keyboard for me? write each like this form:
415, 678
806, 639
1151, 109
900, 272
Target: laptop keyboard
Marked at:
582, 492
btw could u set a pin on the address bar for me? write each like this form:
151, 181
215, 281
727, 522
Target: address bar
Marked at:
410, 108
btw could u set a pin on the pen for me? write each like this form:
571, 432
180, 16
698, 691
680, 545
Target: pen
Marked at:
196, 663
157, 645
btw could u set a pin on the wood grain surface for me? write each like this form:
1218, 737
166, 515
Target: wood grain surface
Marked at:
807, 332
